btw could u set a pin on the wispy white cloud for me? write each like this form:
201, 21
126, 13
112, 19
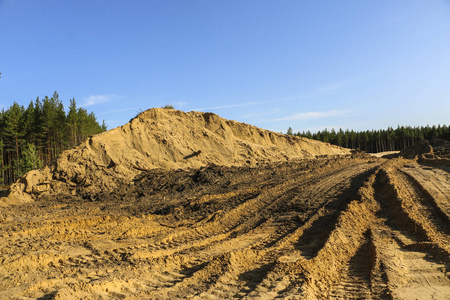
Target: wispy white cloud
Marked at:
323, 90
180, 104
118, 110
97, 99
228, 106
314, 115
264, 113
332, 87
327, 89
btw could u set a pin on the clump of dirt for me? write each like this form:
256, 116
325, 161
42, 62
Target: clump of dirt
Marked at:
434, 152
417, 149
162, 139
440, 155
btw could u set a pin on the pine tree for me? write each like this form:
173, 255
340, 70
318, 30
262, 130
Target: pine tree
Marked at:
104, 127
36, 135
381, 140
289, 131
2, 145
53, 125
72, 123
27, 123
14, 134
2, 166
29, 159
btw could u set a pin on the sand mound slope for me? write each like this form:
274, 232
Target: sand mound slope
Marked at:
434, 152
168, 139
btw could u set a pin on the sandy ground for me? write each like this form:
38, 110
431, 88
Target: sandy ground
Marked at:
386, 153
326, 228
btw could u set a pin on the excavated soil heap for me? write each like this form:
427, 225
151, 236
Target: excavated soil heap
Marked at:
154, 210
436, 151
167, 139
419, 148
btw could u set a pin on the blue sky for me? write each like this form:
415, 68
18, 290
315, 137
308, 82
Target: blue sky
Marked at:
309, 65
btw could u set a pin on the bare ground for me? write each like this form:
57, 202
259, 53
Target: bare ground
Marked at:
327, 228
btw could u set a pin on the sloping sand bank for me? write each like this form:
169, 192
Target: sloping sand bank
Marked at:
167, 139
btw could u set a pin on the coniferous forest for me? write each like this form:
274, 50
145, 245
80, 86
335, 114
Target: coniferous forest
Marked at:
374, 141
32, 137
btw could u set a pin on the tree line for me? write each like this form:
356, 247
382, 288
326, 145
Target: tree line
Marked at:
374, 141
32, 137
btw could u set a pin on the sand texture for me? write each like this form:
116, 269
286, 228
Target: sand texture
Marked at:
132, 214
161, 138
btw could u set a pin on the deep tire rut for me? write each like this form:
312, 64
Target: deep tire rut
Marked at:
331, 228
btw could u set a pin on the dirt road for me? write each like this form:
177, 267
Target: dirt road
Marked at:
327, 228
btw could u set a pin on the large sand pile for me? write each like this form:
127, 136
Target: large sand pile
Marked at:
162, 138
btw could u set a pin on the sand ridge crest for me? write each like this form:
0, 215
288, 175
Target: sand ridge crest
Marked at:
167, 139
